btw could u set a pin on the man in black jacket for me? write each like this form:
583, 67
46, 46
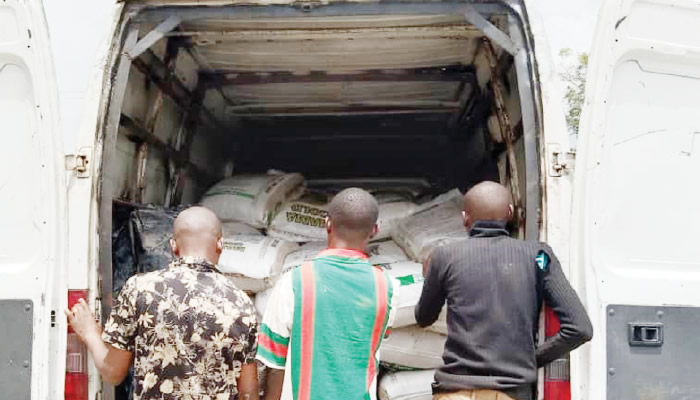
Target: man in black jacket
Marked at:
494, 286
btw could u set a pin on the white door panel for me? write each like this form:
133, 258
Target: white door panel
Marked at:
636, 221
32, 210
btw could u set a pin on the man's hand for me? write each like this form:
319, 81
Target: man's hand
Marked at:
426, 267
82, 320
112, 363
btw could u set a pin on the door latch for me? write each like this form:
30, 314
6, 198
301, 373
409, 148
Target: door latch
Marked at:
79, 163
646, 334
559, 160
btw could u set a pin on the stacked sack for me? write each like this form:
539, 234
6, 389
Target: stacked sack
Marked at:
293, 217
302, 219
246, 204
380, 253
433, 224
272, 223
407, 385
252, 199
411, 354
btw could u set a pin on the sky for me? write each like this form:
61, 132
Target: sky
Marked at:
568, 24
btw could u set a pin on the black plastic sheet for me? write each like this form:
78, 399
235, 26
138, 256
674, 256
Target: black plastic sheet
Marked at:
151, 232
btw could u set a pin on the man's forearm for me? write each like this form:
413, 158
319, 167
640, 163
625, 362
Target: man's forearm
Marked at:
426, 313
99, 350
112, 363
556, 347
248, 386
575, 326
274, 383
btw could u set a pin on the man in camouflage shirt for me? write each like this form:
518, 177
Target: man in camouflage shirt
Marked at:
190, 332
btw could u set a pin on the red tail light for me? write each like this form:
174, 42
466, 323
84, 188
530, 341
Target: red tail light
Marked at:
76, 357
557, 382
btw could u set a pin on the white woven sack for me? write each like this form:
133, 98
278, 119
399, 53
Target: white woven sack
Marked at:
380, 253
413, 347
407, 385
385, 252
390, 214
302, 254
301, 220
433, 224
252, 199
238, 228
409, 276
253, 262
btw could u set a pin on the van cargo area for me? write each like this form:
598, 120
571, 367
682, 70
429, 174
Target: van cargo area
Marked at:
441, 93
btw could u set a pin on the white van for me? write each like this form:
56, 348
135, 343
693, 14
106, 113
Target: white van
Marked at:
454, 92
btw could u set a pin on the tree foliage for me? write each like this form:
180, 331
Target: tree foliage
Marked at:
574, 67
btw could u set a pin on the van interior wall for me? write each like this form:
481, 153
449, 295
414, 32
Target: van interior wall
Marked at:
170, 148
215, 98
185, 124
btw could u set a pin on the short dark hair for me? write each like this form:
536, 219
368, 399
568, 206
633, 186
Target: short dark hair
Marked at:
353, 213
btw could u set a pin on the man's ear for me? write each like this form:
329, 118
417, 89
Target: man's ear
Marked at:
220, 245
173, 247
466, 219
511, 212
374, 232
329, 225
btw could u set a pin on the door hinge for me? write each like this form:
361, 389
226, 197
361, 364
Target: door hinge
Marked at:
560, 161
79, 163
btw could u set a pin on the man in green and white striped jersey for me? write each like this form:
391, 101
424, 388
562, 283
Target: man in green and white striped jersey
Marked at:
326, 319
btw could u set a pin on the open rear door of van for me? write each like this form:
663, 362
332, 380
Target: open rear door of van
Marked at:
636, 222
32, 210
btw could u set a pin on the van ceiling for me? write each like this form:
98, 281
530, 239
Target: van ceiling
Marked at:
397, 88
393, 64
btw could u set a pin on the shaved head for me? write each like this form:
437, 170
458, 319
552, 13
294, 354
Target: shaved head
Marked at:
488, 201
197, 233
353, 215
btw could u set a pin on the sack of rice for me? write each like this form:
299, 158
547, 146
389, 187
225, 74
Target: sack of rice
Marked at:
385, 252
252, 199
390, 214
238, 228
380, 253
413, 347
407, 385
409, 276
434, 223
253, 262
301, 254
302, 220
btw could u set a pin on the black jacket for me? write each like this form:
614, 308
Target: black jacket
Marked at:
494, 286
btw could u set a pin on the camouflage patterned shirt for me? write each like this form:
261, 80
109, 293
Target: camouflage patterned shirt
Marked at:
190, 330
